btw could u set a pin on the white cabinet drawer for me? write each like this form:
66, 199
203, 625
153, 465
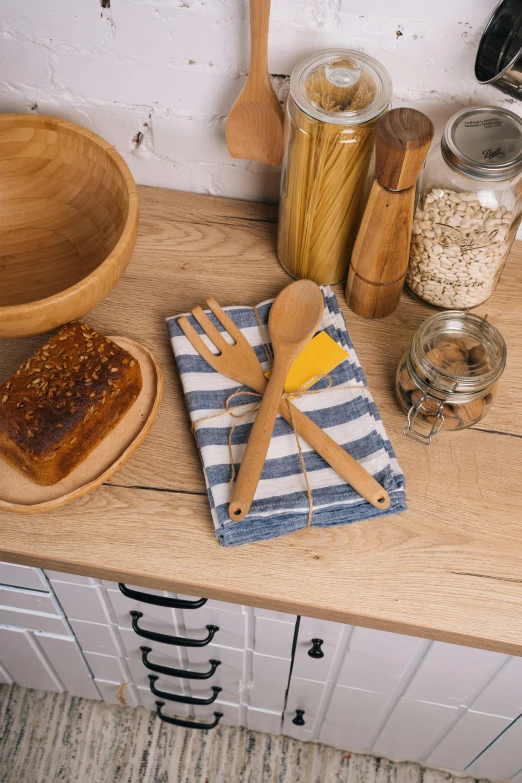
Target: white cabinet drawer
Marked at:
48, 662
22, 576
34, 621
263, 720
316, 669
228, 675
24, 661
164, 654
97, 638
273, 637
231, 712
107, 667
503, 695
29, 600
232, 625
212, 603
304, 695
172, 708
415, 729
69, 665
72, 578
83, 602
473, 732
282, 617
159, 619
352, 718
5, 677
124, 694
269, 682
454, 675
377, 660
503, 759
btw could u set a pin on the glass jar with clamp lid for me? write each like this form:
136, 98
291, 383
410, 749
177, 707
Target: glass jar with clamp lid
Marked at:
447, 380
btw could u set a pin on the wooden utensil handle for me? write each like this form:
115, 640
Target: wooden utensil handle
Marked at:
257, 446
345, 465
259, 23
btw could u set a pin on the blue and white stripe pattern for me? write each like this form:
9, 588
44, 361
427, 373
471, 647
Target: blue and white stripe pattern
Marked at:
346, 411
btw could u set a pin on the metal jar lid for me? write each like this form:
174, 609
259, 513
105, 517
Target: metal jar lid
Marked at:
484, 143
473, 380
341, 86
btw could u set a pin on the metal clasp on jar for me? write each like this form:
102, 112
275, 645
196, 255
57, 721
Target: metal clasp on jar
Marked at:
414, 411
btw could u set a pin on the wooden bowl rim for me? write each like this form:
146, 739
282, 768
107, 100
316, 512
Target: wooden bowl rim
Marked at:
31, 309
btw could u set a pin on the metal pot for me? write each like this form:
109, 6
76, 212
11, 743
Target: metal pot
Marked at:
499, 56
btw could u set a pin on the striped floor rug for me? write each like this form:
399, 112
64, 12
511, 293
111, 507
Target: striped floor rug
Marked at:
58, 738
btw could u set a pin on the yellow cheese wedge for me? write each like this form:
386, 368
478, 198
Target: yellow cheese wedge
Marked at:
319, 357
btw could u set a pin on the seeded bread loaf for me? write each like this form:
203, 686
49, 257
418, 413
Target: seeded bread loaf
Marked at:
64, 401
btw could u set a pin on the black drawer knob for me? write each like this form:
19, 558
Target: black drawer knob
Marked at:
299, 720
315, 650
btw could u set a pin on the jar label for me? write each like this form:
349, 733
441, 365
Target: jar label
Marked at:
467, 240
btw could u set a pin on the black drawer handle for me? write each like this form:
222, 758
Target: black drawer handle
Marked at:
161, 600
187, 724
315, 650
183, 673
181, 641
299, 720
182, 699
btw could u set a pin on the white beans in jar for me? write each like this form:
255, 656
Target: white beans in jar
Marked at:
458, 248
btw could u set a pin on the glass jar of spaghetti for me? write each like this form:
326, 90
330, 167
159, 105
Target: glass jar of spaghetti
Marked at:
335, 99
448, 378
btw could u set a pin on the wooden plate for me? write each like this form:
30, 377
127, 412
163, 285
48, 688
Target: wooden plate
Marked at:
21, 495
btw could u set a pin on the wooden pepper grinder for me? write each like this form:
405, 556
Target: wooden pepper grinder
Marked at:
381, 250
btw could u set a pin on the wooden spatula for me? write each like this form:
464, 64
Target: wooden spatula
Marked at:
255, 122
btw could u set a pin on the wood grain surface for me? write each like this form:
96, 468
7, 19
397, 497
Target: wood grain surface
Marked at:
450, 568
68, 222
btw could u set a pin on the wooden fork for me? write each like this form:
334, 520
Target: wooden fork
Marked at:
240, 363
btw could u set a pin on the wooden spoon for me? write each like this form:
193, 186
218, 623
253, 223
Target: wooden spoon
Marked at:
294, 317
255, 122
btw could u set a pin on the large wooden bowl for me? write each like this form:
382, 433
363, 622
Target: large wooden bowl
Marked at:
68, 222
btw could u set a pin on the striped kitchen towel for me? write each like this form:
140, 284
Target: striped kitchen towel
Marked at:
345, 410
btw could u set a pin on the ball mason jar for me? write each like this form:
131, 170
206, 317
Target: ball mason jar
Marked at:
335, 99
447, 380
468, 209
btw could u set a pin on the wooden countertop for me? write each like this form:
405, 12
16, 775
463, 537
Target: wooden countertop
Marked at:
450, 568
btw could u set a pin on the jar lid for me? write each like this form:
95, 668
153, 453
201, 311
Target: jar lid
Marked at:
341, 86
457, 355
484, 143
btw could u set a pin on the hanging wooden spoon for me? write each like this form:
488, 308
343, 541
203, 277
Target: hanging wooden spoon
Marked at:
255, 122
294, 317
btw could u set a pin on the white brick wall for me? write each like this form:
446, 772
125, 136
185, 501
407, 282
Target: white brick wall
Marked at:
170, 70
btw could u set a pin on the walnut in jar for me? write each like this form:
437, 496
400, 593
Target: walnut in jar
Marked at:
448, 378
